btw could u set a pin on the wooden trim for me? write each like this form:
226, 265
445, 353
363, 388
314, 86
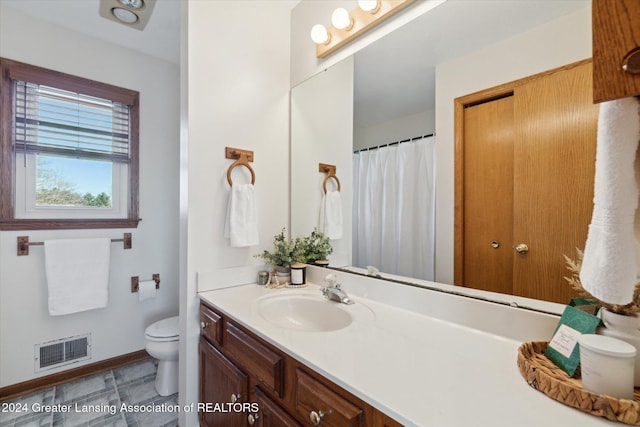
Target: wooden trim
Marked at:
39, 75
459, 104
458, 185
72, 374
66, 224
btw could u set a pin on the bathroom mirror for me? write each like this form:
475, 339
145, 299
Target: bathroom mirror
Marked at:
404, 85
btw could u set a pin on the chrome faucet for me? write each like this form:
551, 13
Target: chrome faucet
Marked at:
335, 293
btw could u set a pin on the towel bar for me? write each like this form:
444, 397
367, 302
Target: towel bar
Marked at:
24, 243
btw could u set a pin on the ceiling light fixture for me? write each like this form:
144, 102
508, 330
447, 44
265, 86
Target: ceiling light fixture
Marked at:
132, 13
347, 26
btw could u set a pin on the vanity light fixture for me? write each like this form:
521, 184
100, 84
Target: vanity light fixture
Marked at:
347, 26
132, 13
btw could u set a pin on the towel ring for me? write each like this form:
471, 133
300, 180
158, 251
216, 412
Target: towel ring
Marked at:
238, 163
324, 183
330, 170
242, 160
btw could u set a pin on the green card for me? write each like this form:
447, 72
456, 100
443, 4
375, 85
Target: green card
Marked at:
563, 347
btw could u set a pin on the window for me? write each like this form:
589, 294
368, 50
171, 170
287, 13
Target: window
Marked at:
69, 154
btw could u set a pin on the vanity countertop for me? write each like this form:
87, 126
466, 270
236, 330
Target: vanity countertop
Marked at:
420, 370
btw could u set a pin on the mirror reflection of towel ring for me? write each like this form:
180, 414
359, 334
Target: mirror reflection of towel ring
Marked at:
242, 161
324, 183
242, 158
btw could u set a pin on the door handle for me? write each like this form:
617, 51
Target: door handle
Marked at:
521, 248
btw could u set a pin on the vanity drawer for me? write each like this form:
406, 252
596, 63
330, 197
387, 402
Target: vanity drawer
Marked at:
210, 324
316, 402
264, 363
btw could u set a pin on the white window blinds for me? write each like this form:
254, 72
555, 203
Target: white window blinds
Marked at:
59, 122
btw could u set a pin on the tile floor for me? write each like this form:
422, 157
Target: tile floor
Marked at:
97, 400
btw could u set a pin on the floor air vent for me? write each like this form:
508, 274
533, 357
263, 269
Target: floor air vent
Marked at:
53, 354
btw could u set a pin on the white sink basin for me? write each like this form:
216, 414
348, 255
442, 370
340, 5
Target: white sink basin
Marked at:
306, 312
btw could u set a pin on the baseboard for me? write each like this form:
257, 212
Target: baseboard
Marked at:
72, 374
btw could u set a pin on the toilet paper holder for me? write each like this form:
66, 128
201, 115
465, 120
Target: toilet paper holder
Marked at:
135, 281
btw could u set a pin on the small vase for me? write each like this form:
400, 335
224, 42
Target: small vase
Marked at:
283, 273
321, 263
625, 328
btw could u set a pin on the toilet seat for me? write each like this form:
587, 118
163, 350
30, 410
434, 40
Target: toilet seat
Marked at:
164, 330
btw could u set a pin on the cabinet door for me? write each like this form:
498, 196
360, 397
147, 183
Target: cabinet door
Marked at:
270, 414
616, 40
554, 170
221, 382
488, 196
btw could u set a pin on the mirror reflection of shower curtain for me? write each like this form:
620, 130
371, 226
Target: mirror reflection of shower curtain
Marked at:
393, 210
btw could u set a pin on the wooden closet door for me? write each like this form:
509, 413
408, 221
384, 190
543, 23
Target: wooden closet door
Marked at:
488, 195
554, 169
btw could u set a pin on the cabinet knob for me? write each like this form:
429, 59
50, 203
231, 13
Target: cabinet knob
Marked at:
315, 417
521, 248
252, 418
203, 324
631, 62
235, 397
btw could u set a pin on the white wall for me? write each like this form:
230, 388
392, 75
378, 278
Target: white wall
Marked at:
237, 80
119, 328
321, 132
418, 124
560, 42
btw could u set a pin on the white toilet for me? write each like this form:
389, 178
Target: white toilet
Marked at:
162, 344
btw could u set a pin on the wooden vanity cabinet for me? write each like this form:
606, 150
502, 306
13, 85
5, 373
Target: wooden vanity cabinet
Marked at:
237, 364
616, 40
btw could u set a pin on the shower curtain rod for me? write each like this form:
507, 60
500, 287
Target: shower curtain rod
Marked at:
394, 143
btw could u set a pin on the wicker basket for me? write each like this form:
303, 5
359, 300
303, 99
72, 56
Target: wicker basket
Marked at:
543, 375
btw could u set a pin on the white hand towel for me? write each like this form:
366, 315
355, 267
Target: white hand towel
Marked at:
609, 267
77, 274
331, 215
241, 226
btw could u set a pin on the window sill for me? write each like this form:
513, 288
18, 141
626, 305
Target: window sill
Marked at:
67, 224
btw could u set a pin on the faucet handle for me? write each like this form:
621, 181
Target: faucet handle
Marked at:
330, 279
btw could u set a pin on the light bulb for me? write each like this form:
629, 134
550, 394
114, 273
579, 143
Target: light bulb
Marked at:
341, 19
371, 6
124, 15
133, 4
319, 34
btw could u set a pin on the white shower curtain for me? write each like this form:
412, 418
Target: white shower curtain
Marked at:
393, 211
